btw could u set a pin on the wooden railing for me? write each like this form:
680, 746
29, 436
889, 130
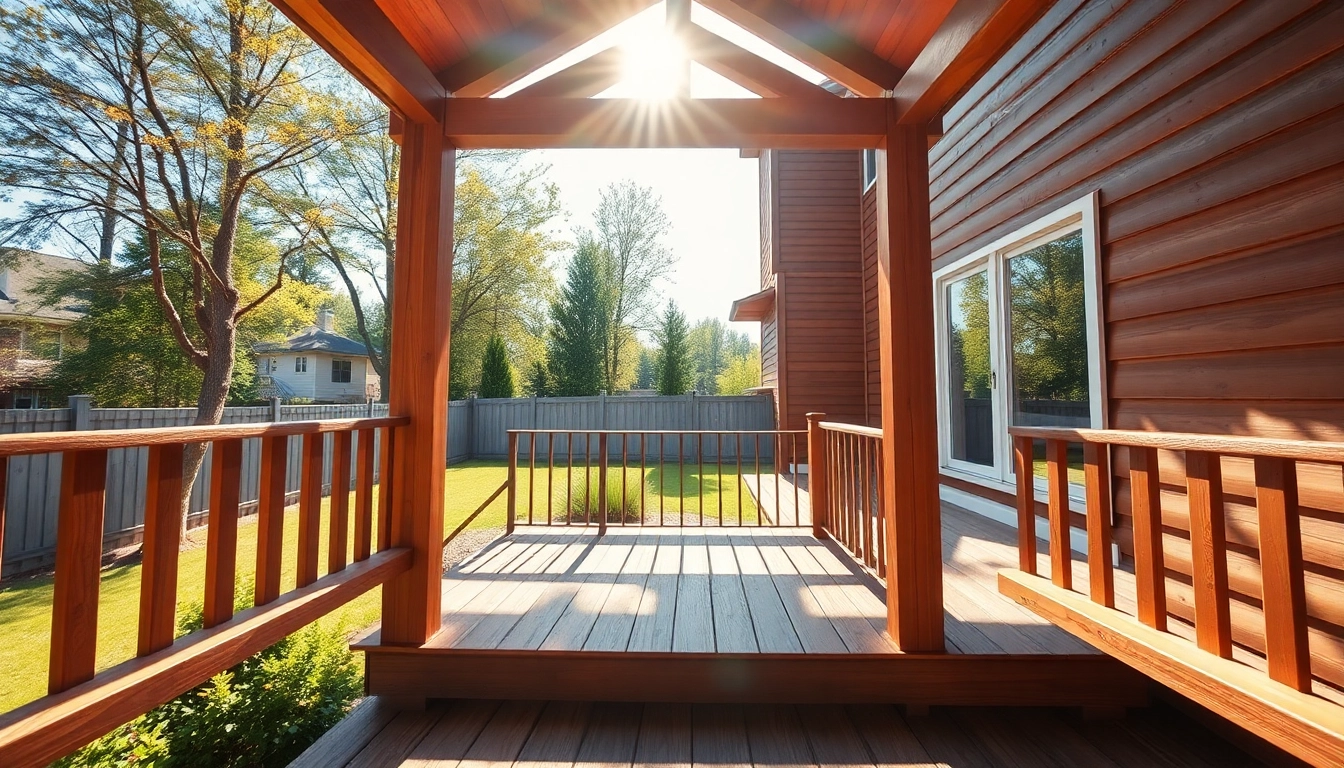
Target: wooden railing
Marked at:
1277, 703
845, 488
573, 477
81, 705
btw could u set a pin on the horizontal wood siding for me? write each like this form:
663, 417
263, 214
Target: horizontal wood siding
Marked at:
818, 249
872, 362
1212, 131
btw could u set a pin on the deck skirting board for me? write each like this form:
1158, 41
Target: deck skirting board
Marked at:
935, 679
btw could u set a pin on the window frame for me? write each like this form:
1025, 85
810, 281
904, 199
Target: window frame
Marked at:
349, 370
1079, 215
301, 364
868, 180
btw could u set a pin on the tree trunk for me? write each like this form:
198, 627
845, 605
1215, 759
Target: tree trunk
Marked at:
108, 236
209, 407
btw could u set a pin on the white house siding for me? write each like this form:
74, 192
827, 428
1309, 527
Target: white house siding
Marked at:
329, 391
301, 384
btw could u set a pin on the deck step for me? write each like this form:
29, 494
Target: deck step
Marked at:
934, 679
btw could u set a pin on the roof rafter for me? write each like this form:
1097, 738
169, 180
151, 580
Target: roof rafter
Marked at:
745, 68
972, 37
813, 42
785, 123
518, 52
589, 77
358, 35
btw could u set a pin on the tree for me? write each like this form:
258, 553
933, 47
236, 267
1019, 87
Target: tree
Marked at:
539, 380
212, 98
646, 372
578, 334
742, 373
713, 344
1049, 326
674, 364
630, 227
496, 373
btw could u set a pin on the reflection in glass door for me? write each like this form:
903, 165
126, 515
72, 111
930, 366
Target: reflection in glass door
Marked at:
970, 405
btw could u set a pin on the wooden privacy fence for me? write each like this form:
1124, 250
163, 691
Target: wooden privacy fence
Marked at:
33, 493
585, 477
1257, 638
82, 706
479, 428
845, 484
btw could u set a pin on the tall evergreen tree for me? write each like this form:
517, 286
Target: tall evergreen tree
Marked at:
674, 363
496, 375
539, 380
579, 326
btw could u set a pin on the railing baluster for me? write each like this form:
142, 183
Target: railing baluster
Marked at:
364, 495
310, 508
569, 478
700, 473
793, 452
163, 530
881, 514
602, 483
779, 512
1057, 480
271, 517
339, 527
816, 473
79, 550
386, 481
643, 477
1208, 552
4, 490
738, 481
221, 544
1150, 575
718, 456
681, 480
511, 508
760, 485
1024, 468
531, 474
550, 477
1281, 572
1100, 569
625, 459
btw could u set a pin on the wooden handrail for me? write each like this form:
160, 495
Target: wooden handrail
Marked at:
1226, 445
1279, 703
850, 429
81, 705
103, 440
634, 432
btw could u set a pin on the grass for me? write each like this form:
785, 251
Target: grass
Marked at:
25, 604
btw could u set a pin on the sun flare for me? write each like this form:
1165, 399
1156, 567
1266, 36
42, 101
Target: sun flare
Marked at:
655, 66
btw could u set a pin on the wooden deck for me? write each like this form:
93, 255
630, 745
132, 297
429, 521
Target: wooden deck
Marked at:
582, 734
733, 615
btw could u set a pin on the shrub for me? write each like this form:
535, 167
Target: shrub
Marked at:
262, 712
573, 507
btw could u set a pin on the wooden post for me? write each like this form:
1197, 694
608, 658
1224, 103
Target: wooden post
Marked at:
816, 474
1024, 469
909, 403
1282, 585
511, 508
163, 531
418, 379
79, 550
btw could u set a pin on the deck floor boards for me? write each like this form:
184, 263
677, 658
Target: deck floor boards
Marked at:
530, 734
723, 589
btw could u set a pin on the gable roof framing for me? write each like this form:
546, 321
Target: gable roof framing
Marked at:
756, 74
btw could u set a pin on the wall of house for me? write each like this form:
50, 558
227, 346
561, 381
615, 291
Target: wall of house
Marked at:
872, 362
769, 326
1212, 131
819, 280
302, 384
341, 392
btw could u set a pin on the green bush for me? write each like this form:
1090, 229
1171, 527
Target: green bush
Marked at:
262, 712
581, 504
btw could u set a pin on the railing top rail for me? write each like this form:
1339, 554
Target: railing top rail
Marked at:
853, 429
1301, 450
658, 431
57, 442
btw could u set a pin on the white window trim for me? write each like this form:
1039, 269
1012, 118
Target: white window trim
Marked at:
1080, 214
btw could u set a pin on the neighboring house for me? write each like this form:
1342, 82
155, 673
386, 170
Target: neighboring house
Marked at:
32, 336
317, 364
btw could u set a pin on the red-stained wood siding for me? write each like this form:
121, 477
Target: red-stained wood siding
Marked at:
1212, 131
821, 309
872, 362
770, 326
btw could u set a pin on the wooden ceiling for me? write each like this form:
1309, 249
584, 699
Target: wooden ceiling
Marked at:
478, 46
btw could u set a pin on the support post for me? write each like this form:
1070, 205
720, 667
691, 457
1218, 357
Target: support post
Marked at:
906, 349
511, 513
817, 492
418, 381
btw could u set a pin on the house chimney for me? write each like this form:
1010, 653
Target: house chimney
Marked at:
325, 318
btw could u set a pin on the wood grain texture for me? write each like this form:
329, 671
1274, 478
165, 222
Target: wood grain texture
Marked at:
163, 535
37, 733
1057, 480
1149, 566
221, 544
1283, 591
364, 467
310, 509
79, 545
1306, 726
1208, 543
1097, 480
270, 518
339, 526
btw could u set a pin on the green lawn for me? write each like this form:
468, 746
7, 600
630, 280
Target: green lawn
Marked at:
25, 605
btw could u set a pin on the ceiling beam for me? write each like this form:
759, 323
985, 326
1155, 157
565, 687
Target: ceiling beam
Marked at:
745, 68
358, 35
589, 77
972, 37
813, 42
514, 54
784, 123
